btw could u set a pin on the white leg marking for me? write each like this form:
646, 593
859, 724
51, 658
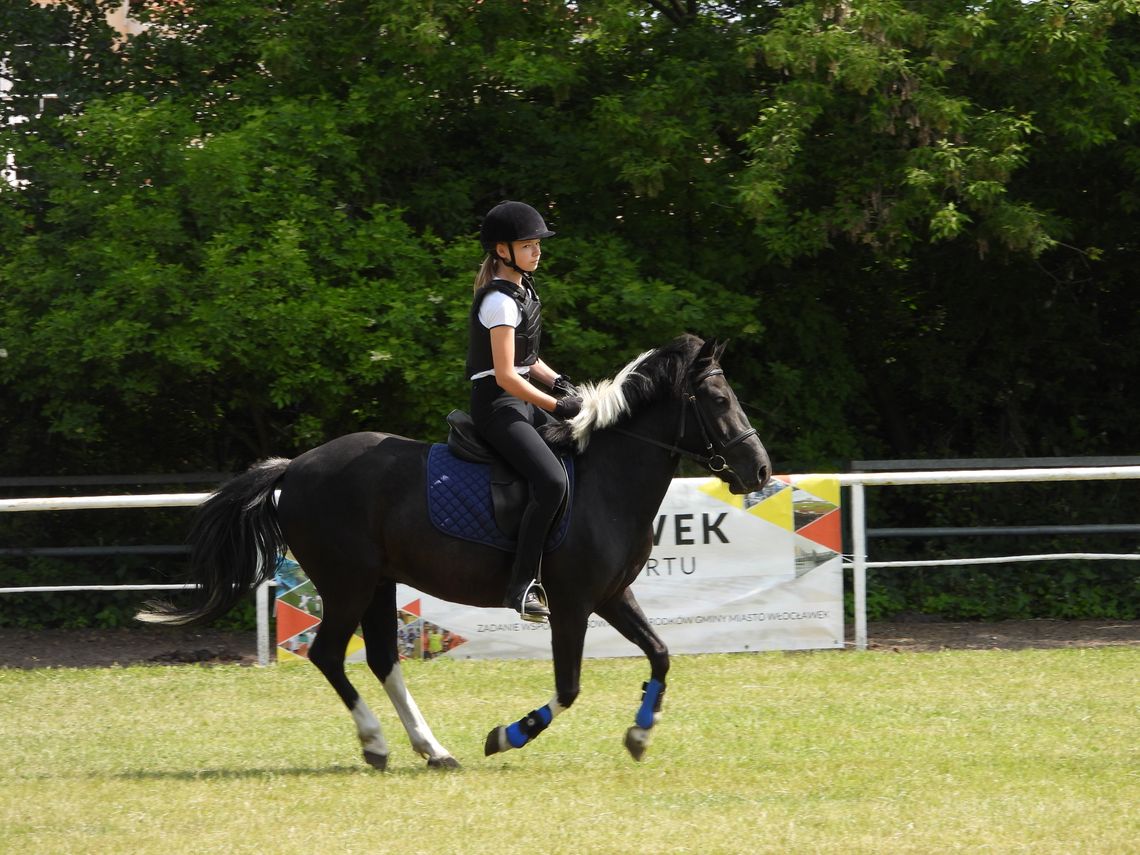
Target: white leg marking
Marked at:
501, 736
423, 741
556, 709
368, 729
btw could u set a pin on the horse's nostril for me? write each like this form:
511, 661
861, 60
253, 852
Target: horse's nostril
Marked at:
762, 476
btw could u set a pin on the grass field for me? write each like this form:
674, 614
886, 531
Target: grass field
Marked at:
966, 751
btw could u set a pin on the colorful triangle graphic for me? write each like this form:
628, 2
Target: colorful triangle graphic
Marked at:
717, 489
288, 573
292, 621
355, 644
810, 555
826, 531
776, 509
821, 486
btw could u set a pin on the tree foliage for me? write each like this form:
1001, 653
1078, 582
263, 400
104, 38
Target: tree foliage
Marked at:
251, 228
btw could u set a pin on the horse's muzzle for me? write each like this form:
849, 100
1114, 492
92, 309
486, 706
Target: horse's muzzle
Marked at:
739, 485
749, 475
763, 476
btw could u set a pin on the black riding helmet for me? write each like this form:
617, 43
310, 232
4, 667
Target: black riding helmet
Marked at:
511, 221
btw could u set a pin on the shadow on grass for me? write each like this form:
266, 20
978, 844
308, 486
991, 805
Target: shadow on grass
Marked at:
235, 774
267, 773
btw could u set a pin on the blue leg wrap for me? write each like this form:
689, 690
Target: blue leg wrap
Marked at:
650, 703
526, 729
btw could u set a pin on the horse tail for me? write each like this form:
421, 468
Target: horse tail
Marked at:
235, 543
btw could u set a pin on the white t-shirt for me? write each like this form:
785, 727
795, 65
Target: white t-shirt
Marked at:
499, 310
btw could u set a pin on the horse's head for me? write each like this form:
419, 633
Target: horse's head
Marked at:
715, 429
712, 427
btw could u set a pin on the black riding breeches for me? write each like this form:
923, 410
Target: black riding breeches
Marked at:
509, 425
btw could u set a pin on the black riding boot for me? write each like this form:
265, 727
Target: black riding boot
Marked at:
524, 594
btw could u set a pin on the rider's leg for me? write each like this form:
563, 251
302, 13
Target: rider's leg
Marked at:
513, 435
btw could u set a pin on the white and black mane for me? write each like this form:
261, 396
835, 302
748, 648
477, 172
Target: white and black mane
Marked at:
655, 374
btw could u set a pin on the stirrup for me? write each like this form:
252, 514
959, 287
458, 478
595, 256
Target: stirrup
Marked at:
535, 587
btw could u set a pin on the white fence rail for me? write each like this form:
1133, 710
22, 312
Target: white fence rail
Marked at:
152, 500
858, 481
855, 481
86, 503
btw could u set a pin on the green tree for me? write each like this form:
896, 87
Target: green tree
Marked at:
256, 221
252, 227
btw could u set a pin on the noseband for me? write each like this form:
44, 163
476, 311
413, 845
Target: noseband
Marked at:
713, 458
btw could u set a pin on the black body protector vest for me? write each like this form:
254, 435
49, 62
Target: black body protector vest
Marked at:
528, 334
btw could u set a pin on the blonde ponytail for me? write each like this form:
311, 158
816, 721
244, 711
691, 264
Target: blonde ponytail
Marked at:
486, 272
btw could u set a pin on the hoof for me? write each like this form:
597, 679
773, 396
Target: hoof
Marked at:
636, 741
447, 762
496, 742
376, 761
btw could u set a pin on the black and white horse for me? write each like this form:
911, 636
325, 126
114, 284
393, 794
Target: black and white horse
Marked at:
353, 513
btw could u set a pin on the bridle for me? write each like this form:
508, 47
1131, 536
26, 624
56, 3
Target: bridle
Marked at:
713, 456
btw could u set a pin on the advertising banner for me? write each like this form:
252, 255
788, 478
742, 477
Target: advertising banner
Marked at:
727, 573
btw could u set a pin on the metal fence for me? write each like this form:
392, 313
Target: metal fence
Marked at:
855, 481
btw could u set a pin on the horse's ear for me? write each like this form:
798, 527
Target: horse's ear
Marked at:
707, 351
711, 351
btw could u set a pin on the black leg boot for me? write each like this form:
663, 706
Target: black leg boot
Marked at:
524, 594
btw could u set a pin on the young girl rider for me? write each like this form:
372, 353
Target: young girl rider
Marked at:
505, 326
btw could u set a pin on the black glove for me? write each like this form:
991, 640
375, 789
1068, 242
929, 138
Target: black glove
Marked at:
563, 387
568, 407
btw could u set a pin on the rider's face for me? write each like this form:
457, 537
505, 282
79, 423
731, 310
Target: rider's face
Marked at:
527, 253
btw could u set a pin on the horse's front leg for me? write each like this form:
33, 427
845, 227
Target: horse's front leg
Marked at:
625, 615
568, 635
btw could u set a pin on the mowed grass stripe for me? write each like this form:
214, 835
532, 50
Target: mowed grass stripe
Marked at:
963, 751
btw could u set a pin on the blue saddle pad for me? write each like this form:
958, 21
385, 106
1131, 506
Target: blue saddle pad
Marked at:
459, 501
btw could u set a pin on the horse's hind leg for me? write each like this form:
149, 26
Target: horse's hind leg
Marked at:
327, 653
625, 615
384, 660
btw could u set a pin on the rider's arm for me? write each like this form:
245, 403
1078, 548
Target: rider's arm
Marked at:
543, 373
509, 380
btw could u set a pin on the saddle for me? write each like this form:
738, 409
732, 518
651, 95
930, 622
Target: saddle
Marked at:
464, 441
466, 475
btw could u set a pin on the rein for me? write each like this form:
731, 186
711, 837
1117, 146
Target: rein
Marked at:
713, 457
